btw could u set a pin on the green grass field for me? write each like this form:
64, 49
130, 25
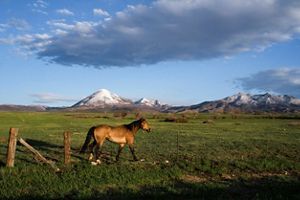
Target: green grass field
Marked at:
230, 157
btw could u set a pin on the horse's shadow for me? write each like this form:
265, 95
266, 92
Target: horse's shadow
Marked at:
52, 151
43, 145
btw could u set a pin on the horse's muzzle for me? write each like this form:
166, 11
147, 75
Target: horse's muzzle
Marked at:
148, 130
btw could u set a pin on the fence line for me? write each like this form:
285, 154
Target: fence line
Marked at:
12, 144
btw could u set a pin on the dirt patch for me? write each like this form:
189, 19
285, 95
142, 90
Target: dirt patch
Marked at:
294, 123
208, 121
194, 179
232, 177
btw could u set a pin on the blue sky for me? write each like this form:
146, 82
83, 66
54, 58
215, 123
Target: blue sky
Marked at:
181, 52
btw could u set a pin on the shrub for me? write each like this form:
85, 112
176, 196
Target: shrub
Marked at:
181, 119
120, 114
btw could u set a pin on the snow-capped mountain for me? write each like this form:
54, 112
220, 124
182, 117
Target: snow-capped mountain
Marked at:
239, 99
146, 102
105, 99
102, 97
246, 103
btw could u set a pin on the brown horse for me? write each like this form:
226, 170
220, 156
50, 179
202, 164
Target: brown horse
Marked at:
121, 135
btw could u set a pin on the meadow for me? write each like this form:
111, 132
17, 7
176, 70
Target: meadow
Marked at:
205, 156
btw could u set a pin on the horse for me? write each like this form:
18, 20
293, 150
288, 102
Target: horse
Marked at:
122, 135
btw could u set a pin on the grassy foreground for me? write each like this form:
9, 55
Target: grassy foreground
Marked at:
208, 157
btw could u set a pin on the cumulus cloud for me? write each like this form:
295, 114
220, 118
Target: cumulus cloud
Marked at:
51, 98
29, 43
100, 12
78, 27
282, 81
65, 12
175, 30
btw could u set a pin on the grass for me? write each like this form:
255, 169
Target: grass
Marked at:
233, 157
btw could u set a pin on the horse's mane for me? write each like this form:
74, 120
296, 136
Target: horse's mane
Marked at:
134, 124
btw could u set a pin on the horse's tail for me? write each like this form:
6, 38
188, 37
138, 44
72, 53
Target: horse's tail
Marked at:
87, 139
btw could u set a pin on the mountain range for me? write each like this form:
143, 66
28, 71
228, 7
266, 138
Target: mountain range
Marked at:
242, 102
104, 100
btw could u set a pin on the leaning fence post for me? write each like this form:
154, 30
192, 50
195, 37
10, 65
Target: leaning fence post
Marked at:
67, 145
39, 155
11, 149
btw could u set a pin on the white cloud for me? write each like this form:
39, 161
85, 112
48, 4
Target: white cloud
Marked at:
100, 12
8, 41
39, 11
61, 24
39, 6
65, 12
83, 27
3, 27
15, 23
60, 32
283, 81
28, 43
51, 98
19, 24
174, 30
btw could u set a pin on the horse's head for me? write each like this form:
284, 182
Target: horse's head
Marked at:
144, 125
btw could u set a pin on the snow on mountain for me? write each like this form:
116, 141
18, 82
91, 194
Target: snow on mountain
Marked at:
147, 102
295, 101
246, 103
239, 99
101, 98
106, 99
260, 99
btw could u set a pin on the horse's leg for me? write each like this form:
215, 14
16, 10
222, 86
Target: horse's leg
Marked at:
91, 149
131, 147
121, 146
98, 150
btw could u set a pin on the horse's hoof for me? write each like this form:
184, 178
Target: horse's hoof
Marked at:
97, 162
94, 163
142, 160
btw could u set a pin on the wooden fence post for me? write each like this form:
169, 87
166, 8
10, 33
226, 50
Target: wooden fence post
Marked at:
67, 145
11, 148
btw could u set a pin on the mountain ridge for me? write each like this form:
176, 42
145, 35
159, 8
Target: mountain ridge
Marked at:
104, 100
243, 102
